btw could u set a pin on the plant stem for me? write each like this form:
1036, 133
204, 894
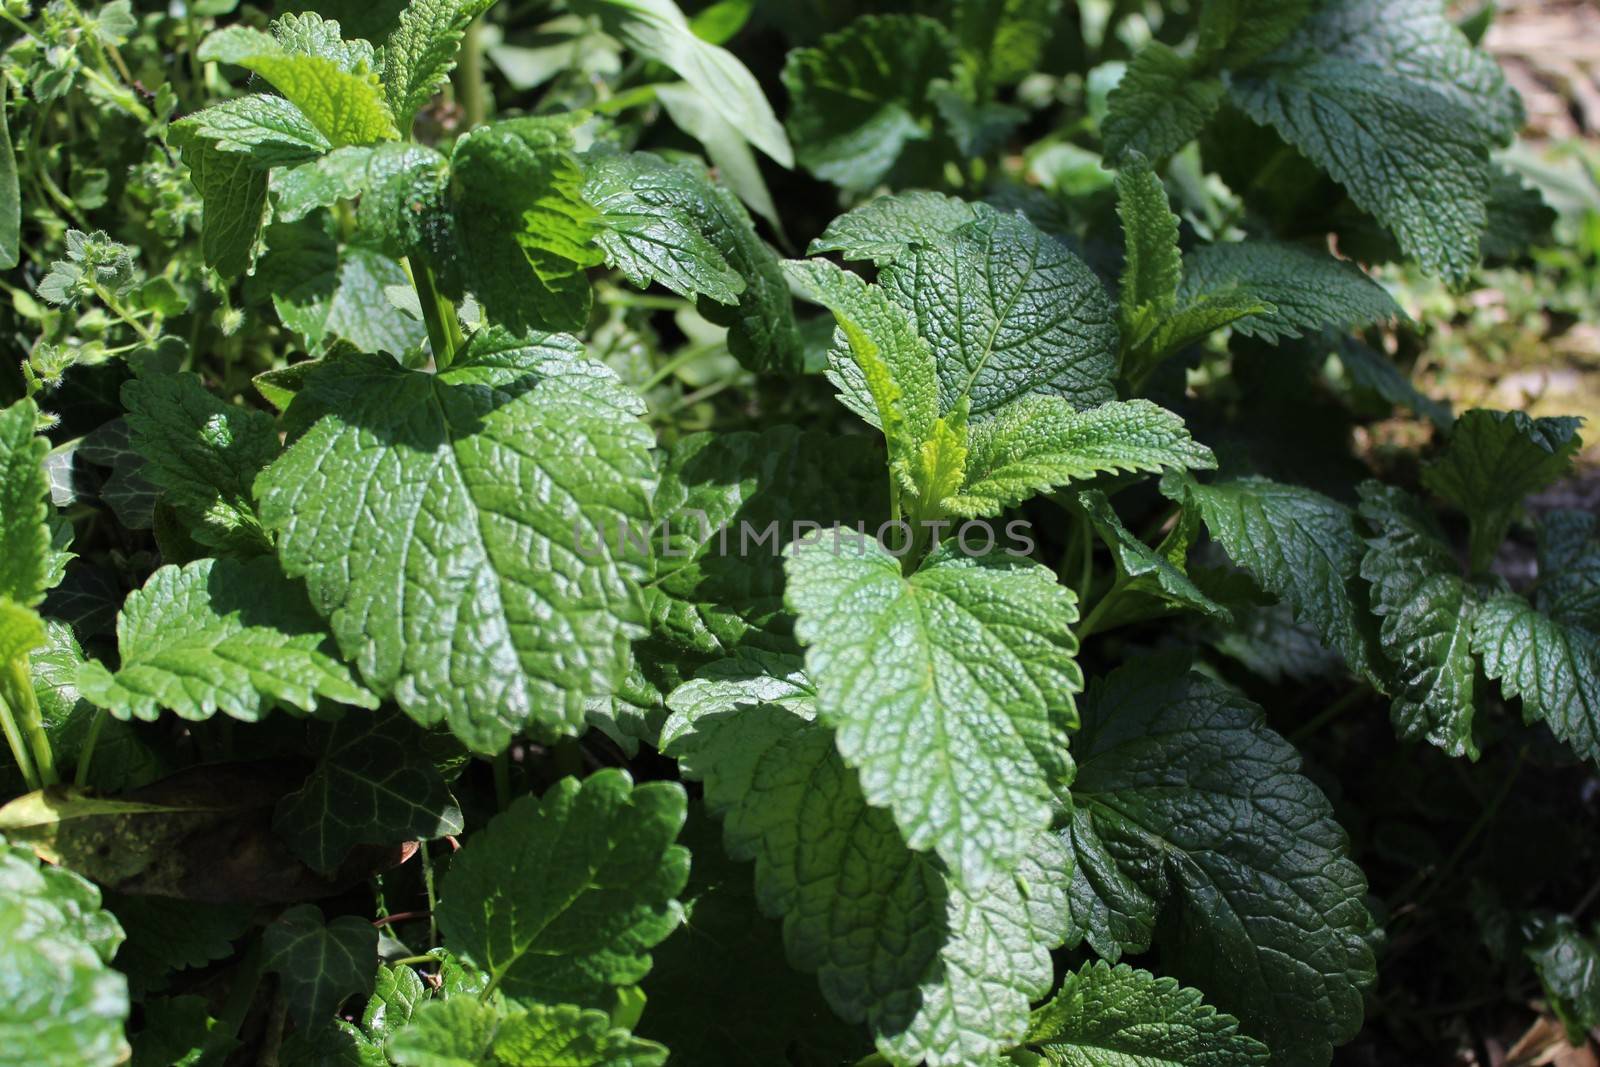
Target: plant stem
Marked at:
471, 89
444, 332
145, 333
18, 694
19, 750
1089, 625
1327, 715
433, 901
80, 776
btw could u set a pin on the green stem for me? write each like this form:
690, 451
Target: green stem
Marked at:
19, 695
1327, 715
19, 750
444, 332
1089, 625
666, 370
433, 900
471, 89
145, 333
80, 776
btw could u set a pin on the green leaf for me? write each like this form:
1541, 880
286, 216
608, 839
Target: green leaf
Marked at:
349, 173
1389, 98
1152, 265
1105, 1016
10, 196
417, 58
527, 235
460, 530
1307, 290
560, 898
21, 631
233, 194
951, 691
940, 974
1001, 41
319, 965
1008, 311
1553, 666
1568, 966
1238, 32
1148, 570
61, 1004
885, 228
1493, 460
1428, 613
269, 130
1369, 369
219, 635
1301, 547
373, 785
859, 98
1041, 442
331, 83
24, 506
460, 1032
204, 455
327, 293
1187, 809
1569, 568
656, 29
1161, 104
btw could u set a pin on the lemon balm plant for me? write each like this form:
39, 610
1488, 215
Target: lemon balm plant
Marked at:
381, 683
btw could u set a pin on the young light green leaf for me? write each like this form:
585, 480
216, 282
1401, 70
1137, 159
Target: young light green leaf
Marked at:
951, 691
1152, 265
268, 129
1001, 41
21, 631
656, 29
941, 974
24, 506
1008, 311
219, 635
373, 785
1105, 1016
1428, 613
1493, 460
1161, 104
319, 964
1392, 101
859, 97
560, 898
204, 455
461, 1032
1042, 442
527, 234
460, 530
417, 58
61, 1004
1192, 810
1553, 666
886, 227
1300, 546
1307, 290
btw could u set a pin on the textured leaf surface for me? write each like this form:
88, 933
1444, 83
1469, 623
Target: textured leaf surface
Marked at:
1568, 966
1391, 100
268, 129
61, 1004
1152, 265
1308, 290
1569, 568
327, 293
1428, 613
1148, 570
1188, 810
939, 974
233, 194
561, 898
1161, 104
526, 232
1040, 442
1105, 1016
204, 454
951, 691
219, 635
860, 96
1001, 42
1554, 667
24, 506
420, 53
320, 964
886, 227
373, 785
1239, 31
442, 524
460, 1032
1300, 546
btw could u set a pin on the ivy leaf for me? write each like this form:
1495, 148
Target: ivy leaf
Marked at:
459, 530
560, 898
1307, 290
951, 690
1161, 104
526, 233
1493, 460
24, 506
657, 30
1008, 311
860, 96
1105, 1016
373, 785
669, 223
1202, 820
320, 964
204, 454
61, 1004
1428, 613
940, 974
417, 58
1394, 104
460, 1032
1300, 546
1553, 666
1039, 443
